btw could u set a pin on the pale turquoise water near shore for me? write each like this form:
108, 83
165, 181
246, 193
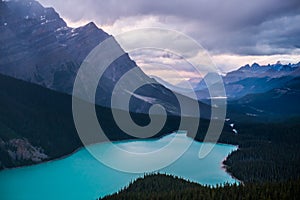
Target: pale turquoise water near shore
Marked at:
81, 176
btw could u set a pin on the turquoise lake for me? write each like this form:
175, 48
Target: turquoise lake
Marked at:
81, 176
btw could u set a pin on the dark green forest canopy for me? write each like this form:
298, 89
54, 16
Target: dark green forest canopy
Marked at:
159, 186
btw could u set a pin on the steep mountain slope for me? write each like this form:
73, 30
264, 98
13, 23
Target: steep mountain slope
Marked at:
36, 123
36, 45
39, 49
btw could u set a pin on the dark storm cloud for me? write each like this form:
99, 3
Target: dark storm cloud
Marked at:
257, 27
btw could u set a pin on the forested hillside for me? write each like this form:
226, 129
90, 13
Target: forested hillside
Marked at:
36, 124
169, 187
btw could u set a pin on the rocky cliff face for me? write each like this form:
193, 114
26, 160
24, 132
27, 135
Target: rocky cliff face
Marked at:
20, 151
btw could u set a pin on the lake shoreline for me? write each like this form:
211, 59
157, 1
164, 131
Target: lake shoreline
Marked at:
81, 170
223, 166
80, 148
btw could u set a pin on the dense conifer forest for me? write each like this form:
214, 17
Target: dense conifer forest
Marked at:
267, 152
159, 186
267, 163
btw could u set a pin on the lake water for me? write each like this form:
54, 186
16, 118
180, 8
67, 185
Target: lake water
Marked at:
81, 176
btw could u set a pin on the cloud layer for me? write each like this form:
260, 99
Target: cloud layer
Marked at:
233, 26
235, 32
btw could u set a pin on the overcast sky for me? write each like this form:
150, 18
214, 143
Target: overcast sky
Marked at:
235, 32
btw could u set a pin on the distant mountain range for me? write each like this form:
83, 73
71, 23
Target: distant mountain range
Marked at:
246, 80
279, 103
256, 93
257, 79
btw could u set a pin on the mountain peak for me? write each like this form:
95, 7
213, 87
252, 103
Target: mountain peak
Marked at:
46, 43
245, 67
38, 46
255, 65
278, 66
91, 25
